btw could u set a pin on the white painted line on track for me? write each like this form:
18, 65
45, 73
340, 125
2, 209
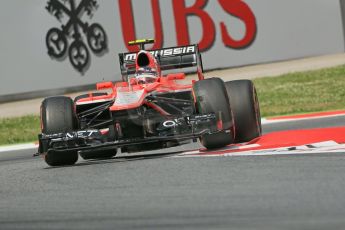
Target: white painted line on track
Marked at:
321, 147
10, 148
267, 153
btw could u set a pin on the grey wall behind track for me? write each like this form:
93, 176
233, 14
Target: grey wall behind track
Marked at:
342, 7
285, 29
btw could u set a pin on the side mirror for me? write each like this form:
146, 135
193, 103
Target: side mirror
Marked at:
104, 85
121, 84
176, 76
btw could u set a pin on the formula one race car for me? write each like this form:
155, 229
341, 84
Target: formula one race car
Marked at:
148, 110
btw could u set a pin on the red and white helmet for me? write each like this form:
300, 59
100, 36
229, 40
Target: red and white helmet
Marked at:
146, 75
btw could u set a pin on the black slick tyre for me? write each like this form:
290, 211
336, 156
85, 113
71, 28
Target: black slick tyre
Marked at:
211, 97
58, 116
245, 108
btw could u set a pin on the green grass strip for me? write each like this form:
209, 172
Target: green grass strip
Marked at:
302, 92
19, 130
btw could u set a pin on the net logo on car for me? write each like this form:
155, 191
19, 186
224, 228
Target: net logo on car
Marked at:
57, 40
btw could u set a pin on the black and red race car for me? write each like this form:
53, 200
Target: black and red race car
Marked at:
149, 110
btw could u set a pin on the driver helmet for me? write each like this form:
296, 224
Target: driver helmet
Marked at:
145, 75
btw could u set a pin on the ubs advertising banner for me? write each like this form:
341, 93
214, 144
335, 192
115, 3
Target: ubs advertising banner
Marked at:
57, 44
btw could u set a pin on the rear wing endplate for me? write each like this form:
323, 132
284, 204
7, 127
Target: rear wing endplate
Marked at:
167, 58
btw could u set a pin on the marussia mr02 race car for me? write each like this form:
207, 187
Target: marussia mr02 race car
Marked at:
148, 110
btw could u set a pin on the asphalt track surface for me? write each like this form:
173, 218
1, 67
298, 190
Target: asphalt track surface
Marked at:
160, 192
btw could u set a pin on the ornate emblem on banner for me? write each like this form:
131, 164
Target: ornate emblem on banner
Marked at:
75, 34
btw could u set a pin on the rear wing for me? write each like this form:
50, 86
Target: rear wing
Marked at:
167, 58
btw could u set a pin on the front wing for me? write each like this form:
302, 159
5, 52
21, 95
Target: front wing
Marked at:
179, 129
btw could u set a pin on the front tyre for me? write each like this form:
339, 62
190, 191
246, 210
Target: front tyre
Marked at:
246, 110
211, 97
58, 116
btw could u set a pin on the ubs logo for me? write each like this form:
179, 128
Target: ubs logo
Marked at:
70, 37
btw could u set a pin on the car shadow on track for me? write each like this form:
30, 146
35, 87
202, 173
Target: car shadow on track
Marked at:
120, 159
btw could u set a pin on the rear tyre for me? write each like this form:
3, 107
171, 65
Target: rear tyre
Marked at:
58, 116
246, 110
211, 97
